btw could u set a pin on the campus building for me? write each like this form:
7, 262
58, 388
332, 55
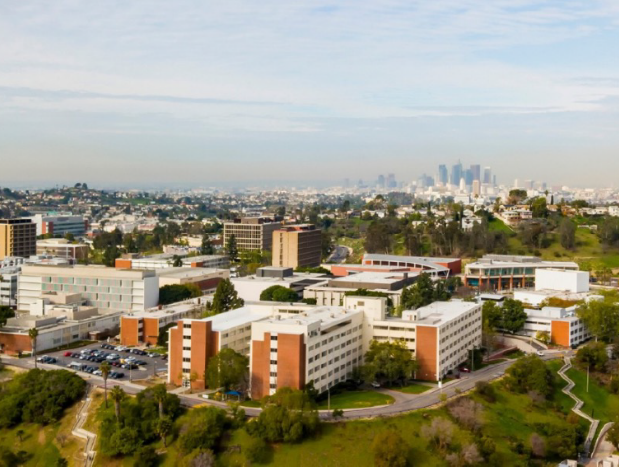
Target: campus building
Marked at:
297, 246
60, 225
249, 288
251, 233
433, 266
18, 237
295, 344
107, 289
507, 272
561, 324
205, 278
62, 248
166, 260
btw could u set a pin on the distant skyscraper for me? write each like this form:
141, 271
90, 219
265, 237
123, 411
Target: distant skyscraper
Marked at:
443, 177
381, 181
476, 170
468, 177
487, 175
391, 183
476, 188
456, 174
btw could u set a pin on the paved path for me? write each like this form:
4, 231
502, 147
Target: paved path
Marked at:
404, 402
80, 432
579, 403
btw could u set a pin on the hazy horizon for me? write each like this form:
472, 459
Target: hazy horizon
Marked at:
183, 93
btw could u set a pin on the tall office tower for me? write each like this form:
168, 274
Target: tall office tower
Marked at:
476, 169
494, 180
456, 174
297, 246
528, 184
487, 175
476, 188
391, 183
381, 181
468, 177
443, 177
18, 237
251, 233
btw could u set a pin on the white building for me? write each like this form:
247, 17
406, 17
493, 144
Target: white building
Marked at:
561, 324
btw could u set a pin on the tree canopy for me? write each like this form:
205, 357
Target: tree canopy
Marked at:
279, 293
529, 373
423, 292
388, 362
601, 316
227, 369
226, 297
173, 293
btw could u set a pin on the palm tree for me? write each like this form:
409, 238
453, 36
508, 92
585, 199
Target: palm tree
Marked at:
163, 428
117, 394
33, 333
160, 394
105, 371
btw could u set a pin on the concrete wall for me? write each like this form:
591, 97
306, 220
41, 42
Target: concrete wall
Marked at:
571, 281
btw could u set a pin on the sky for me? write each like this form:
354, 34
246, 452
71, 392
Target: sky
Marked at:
202, 92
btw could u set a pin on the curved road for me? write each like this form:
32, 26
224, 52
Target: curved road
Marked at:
402, 404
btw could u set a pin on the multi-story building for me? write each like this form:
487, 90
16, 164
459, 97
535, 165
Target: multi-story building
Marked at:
251, 233
433, 266
62, 248
563, 325
297, 246
506, 272
59, 225
107, 289
18, 237
8, 285
249, 288
166, 260
145, 327
295, 344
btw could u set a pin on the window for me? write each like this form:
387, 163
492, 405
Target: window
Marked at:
273, 362
273, 386
273, 338
186, 348
187, 326
273, 373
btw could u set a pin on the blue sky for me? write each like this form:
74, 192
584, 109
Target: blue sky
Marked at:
206, 92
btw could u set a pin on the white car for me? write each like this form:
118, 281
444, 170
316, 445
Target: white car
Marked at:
375, 384
120, 348
540, 353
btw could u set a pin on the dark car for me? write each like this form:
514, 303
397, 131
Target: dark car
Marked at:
140, 362
164, 357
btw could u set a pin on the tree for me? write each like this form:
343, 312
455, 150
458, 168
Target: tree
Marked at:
601, 316
160, 395
232, 249
110, 254
226, 370
33, 333
105, 372
567, 234
421, 293
439, 432
20, 435
593, 355
467, 413
199, 458
377, 239
173, 293
278, 293
177, 261
164, 428
5, 313
491, 316
543, 337
226, 297
388, 361
203, 430
529, 373
390, 449
516, 196
257, 450
117, 394
206, 248
612, 435
539, 208
513, 315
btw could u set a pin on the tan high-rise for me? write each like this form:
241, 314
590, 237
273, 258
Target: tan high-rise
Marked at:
251, 233
297, 246
18, 237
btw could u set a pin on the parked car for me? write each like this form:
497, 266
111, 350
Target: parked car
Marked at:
375, 384
97, 372
67, 354
120, 348
465, 370
152, 354
140, 362
540, 353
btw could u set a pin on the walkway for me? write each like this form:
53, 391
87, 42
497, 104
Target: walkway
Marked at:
579, 403
80, 432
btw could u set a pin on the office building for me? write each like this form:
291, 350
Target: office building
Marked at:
18, 237
249, 288
166, 260
297, 246
391, 183
8, 285
59, 225
487, 176
506, 272
251, 233
476, 172
443, 175
456, 174
432, 266
291, 345
107, 289
206, 278
380, 183
561, 324
61, 248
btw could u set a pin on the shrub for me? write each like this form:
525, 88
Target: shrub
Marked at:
486, 390
257, 451
390, 449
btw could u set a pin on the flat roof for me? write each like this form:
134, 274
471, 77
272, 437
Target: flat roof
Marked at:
375, 277
519, 264
409, 259
85, 271
438, 313
187, 272
325, 315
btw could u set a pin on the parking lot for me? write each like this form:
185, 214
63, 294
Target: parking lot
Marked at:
125, 364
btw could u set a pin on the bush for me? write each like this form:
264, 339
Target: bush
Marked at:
178, 292
593, 355
146, 456
390, 449
204, 429
257, 451
278, 293
529, 374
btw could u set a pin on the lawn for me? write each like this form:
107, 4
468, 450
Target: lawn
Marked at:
497, 225
357, 248
413, 388
251, 403
603, 405
356, 400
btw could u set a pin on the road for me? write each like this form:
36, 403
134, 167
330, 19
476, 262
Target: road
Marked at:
404, 404
338, 255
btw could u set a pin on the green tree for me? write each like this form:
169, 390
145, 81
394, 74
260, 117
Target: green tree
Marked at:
110, 254
117, 394
105, 372
529, 373
516, 196
388, 361
612, 435
278, 293
5, 313
539, 208
173, 293
232, 249
228, 369
513, 315
491, 316
593, 355
421, 293
377, 238
601, 316
206, 248
226, 297
567, 234
203, 430
163, 428
160, 394
390, 449
177, 261
33, 333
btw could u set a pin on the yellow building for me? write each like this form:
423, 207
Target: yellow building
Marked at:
18, 237
297, 246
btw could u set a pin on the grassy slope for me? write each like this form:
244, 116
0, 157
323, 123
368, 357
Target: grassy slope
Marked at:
357, 400
598, 399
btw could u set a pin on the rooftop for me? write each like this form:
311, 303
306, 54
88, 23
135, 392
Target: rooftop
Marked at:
187, 273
